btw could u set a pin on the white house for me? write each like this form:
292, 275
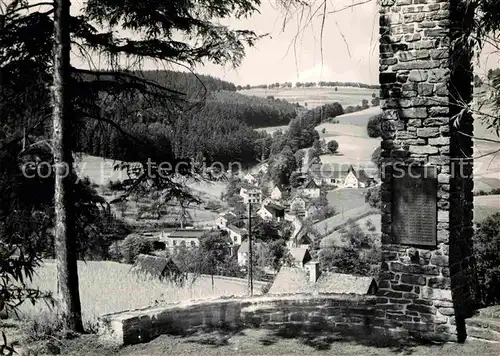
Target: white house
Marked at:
297, 206
276, 194
184, 237
271, 211
223, 219
235, 234
250, 179
311, 190
357, 179
251, 195
243, 252
300, 256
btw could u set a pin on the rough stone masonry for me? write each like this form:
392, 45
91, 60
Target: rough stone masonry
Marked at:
426, 77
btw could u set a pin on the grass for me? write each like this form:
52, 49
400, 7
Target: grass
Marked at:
346, 199
266, 342
107, 287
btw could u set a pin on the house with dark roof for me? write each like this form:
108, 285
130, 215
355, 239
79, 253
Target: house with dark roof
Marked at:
357, 179
292, 280
156, 267
272, 211
310, 190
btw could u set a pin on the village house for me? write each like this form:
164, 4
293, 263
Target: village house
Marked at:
184, 237
300, 236
271, 211
243, 252
223, 219
235, 234
311, 190
251, 195
276, 194
297, 206
310, 211
340, 176
250, 179
296, 280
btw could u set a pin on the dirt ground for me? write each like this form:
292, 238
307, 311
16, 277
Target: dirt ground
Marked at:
263, 342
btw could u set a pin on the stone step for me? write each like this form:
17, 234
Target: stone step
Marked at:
480, 327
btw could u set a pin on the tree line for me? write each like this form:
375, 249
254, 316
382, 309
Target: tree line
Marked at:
308, 85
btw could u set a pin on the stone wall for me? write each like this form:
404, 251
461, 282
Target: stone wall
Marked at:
350, 314
417, 55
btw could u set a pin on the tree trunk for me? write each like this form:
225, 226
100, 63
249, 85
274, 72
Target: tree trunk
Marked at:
65, 248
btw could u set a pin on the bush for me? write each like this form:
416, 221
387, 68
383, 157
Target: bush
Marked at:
372, 197
333, 146
487, 255
375, 102
134, 245
374, 127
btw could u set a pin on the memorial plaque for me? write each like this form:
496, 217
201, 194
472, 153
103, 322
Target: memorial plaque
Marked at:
414, 205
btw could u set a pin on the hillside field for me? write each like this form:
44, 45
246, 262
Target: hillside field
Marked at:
314, 97
107, 287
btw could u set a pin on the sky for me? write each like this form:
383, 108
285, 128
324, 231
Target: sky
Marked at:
348, 50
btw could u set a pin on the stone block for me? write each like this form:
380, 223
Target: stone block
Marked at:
439, 141
436, 121
414, 113
428, 132
439, 282
417, 76
440, 261
412, 279
425, 89
423, 149
439, 111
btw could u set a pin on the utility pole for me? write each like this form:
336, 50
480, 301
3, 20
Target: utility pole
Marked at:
64, 239
250, 250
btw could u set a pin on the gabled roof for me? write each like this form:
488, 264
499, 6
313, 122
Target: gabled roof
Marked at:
244, 247
300, 254
188, 233
311, 185
274, 209
341, 283
237, 230
291, 280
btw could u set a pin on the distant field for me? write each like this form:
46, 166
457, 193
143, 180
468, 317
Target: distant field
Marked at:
485, 206
107, 287
346, 199
314, 97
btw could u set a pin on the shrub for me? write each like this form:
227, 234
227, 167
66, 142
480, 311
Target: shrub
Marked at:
375, 102
364, 104
133, 246
372, 197
374, 127
114, 186
487, 255
333, 146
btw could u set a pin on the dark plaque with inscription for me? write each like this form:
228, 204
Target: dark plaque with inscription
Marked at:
414, 205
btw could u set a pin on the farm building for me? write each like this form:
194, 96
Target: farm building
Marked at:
292, 280
340, 176
311, 190
156, 267
184, 237
272, 212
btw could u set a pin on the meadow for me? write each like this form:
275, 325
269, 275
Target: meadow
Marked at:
108, 287
313, 97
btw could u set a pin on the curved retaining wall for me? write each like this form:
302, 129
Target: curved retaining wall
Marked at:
352, 314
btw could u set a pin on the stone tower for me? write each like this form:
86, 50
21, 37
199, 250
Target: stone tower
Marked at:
427, 277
